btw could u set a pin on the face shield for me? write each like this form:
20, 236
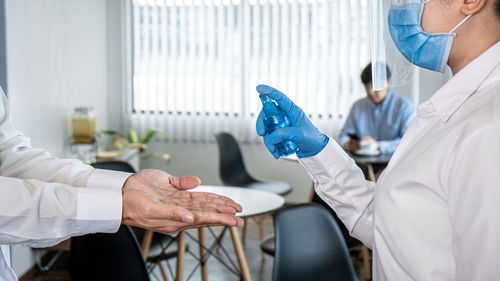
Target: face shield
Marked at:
399, 41
383, 50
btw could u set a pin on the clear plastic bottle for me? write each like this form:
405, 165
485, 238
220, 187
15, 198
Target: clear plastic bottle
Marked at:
273, 119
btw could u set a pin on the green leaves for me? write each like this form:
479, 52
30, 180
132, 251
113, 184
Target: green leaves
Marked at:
132, 140
133, 136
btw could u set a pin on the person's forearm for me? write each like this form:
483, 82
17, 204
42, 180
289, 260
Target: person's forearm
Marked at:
343, 139
41, 214
388, 146
341, 184
19, 160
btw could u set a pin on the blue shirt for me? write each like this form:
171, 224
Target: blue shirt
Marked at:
386, 122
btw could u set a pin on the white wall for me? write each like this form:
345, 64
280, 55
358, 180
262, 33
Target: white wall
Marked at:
56, 60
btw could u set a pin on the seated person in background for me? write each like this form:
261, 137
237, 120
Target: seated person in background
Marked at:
381, 118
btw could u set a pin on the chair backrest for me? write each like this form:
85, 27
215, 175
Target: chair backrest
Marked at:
232, 170
114, 165
309, 246
107, 257
350, 241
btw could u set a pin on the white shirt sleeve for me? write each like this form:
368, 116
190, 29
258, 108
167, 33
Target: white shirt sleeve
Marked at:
473, 198
342, 185
41, 214
45, 199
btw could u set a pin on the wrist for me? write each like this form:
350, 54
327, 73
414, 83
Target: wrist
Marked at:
321, 143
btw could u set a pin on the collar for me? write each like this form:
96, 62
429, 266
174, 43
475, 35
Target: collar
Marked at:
449, 98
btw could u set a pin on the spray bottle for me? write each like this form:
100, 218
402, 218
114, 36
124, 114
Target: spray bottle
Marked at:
273, 119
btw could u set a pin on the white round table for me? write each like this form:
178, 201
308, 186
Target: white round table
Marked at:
254, 203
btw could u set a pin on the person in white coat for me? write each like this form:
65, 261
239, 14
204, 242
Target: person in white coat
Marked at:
44, 200
432, 214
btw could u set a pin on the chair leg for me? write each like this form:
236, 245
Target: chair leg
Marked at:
366, 263
163, 271
203, 254
181, 250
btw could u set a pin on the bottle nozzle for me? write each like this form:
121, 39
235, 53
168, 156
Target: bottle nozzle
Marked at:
268, 106
264, 98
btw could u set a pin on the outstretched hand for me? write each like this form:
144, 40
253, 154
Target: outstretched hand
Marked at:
156, 200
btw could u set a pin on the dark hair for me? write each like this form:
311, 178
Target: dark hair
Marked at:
366, 74
497, 9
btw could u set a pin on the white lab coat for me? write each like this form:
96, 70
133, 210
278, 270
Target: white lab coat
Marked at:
432, 215
44, 200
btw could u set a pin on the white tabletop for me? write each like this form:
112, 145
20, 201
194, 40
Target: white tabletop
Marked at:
254, 202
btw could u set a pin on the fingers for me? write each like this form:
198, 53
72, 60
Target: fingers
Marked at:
283, 134
224, 201
271, 147
217, 201
187, 182
261, 130
201, 220
170, 212
284, 103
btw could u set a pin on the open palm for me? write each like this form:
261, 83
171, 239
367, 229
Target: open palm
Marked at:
156, 200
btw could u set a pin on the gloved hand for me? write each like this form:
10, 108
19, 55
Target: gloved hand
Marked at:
307, 137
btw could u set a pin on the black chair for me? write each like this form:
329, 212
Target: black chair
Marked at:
233, 172
310, 246
267, 245
161, 247
107, 257
351, 242
114, 165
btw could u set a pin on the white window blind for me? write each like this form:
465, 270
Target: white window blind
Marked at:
195, 63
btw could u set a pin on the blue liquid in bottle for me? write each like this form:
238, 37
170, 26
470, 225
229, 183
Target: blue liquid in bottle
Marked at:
273, 119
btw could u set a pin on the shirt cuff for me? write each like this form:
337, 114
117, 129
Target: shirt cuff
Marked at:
326, 164
101, 178
99, 207
98, 210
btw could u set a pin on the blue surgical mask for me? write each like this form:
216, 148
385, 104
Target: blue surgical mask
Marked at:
430, 51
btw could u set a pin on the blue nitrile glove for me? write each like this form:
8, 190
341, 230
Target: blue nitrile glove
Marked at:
308, 138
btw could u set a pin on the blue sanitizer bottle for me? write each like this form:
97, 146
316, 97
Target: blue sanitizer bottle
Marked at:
273, 119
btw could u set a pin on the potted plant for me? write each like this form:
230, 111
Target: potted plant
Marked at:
131, 139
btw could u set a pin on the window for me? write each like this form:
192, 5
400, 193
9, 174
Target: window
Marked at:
195, 63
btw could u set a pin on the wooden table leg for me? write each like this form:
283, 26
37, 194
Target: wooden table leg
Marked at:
244, 230
366, 262
311, 193
146, 243
181, 250
260, 222
371, 173
203, 253
240, 254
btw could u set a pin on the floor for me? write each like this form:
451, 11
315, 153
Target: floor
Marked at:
260, 268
